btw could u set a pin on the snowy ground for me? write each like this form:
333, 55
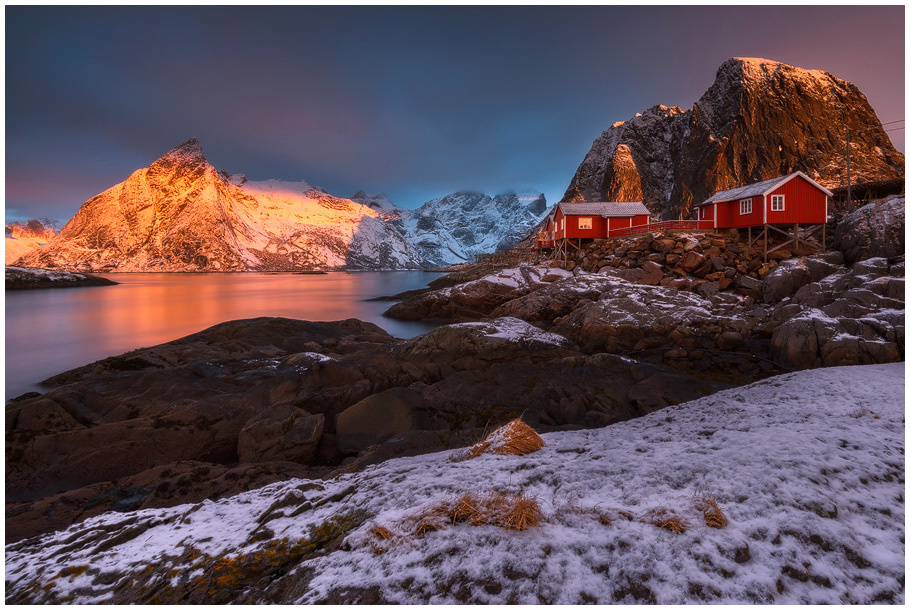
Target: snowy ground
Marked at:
808, 469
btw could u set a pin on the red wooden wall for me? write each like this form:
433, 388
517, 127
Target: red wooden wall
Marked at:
803, 203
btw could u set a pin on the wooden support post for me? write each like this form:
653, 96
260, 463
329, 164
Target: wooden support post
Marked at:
796, 236
749, 247
824, 226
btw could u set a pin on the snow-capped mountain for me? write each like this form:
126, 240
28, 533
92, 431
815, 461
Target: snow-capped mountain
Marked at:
25, 237
758, 120
457, 227
387, 210
180, 214
789, 490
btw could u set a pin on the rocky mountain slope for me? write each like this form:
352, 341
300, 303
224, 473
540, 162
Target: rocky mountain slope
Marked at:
455, 228
180, 214
759, 119
787, 491
25, 237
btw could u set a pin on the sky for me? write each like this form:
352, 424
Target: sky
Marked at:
413, 102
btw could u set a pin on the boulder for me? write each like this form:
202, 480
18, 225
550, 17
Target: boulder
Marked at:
791, 275
379, 417
281, 433
874, 230
691, 260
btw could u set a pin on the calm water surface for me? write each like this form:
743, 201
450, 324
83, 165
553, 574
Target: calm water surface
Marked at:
54, 330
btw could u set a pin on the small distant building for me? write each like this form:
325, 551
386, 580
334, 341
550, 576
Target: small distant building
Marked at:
546, 237
788, 200
576, 223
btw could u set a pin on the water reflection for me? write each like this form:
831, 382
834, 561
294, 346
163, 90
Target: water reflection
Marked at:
50, 331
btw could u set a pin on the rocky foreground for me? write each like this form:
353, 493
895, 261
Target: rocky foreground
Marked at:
629, 328
249, 402
683, 298
789, 490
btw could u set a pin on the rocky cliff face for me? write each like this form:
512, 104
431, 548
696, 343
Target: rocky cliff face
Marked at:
180, 214
760, 119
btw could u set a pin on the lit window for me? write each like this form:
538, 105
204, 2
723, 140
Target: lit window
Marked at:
745, 206
777, 203
584, 223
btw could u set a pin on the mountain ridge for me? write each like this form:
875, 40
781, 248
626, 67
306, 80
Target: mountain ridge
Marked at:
759, 119
181, 214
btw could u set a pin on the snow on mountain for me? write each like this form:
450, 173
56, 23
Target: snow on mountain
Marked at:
180, 214
457, 227
25, 237
379, 202
806, 471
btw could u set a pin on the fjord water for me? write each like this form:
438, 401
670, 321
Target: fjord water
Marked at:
54, 330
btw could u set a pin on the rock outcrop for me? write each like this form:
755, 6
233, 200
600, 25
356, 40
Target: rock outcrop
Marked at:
854, 316
876, 229
270, 392
758, 120
22, 278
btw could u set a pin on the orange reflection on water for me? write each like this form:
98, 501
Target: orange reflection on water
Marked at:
50, 331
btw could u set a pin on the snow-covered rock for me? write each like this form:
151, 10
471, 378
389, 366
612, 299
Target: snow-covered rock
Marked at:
23, 278
874, 230
807, 470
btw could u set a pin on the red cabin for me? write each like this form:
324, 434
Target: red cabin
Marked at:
596, 220
545, 238
788, 200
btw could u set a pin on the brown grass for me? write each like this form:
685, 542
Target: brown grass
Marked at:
514, 438
524, 513
381, 533
464, 508
664, 519
714, 516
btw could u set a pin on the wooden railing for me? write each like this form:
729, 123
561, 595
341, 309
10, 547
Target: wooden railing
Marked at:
514, 256
666, 225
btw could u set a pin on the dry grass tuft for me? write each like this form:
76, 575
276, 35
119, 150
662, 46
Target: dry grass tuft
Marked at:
714, 516
524, 513
464, 508
381, 533
664, 519
514, 438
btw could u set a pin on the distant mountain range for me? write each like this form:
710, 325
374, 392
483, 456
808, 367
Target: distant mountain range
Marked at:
759, 119
180, 214
24, 237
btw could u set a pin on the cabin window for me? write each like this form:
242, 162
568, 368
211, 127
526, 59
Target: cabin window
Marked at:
704, 212
777, 203
745, 206
585, 223
562, 224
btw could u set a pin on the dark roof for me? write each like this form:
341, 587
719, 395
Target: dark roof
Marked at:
759, 188
607, 209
